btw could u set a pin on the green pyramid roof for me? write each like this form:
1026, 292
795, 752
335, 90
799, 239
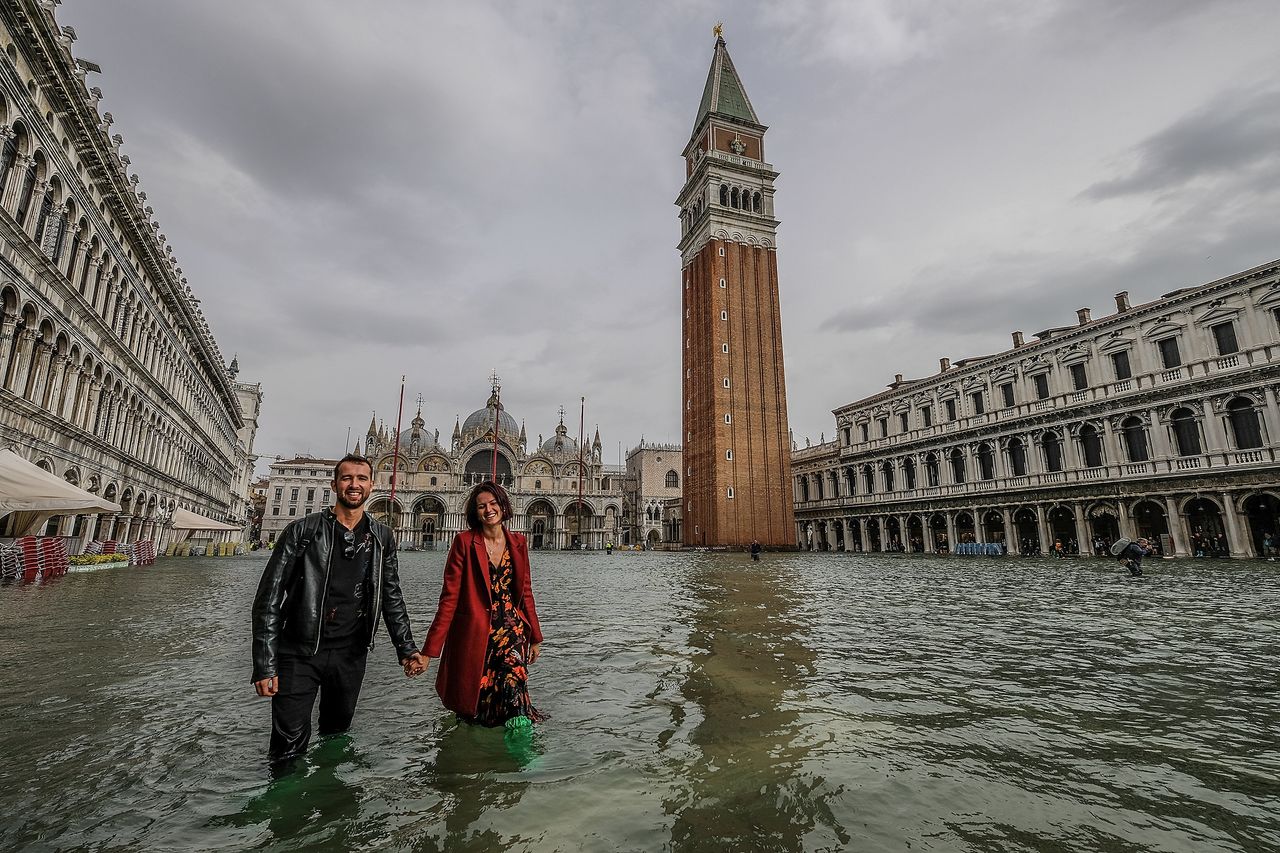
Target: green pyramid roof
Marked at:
723, 93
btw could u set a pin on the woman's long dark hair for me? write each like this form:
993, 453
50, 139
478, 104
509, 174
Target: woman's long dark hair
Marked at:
473, 514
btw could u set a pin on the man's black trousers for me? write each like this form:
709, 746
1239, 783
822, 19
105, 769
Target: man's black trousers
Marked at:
336, 674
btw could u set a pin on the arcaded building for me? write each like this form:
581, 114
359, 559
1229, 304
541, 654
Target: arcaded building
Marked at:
737, 461
110, 376
562, 493
1157, 420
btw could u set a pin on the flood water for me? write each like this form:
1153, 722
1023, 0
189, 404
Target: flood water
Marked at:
699, 702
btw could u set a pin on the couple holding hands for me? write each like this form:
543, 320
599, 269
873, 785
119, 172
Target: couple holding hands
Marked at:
335, 572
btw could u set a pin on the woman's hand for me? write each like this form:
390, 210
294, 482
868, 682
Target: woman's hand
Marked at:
534, 651
416, 665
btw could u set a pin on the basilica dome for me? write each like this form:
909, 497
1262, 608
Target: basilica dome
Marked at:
567, 445
481, 420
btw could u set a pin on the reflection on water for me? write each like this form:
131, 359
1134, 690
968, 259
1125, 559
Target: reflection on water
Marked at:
746, 789
699, 702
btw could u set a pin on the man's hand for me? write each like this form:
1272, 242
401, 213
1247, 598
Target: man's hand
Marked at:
534, 651
268, 686
416, 664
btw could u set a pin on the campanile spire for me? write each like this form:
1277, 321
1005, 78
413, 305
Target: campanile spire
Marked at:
737, 486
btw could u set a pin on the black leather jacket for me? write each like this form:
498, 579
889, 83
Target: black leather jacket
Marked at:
290, 599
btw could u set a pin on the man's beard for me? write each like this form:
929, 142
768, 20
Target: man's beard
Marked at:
342, 499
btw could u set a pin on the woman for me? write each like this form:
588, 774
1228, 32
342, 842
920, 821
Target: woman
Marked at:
486, 625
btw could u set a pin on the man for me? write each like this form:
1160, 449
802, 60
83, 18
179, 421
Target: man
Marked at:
1131, 556
330, 576
755, 550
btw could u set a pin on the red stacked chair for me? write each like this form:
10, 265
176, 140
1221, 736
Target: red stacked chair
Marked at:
53, 556
29, 557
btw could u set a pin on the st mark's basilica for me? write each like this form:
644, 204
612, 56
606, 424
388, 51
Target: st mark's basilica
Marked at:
544, 481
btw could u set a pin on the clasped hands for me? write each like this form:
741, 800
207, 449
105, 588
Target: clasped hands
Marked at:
416, 664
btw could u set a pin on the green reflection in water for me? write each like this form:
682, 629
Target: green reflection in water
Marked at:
747, 788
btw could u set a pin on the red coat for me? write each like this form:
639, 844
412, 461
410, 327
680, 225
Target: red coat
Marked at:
459, 634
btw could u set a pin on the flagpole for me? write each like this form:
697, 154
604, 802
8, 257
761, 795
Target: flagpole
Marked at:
395, 460
497, 406
582, 415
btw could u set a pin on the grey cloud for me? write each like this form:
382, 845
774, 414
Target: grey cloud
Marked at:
1232, 134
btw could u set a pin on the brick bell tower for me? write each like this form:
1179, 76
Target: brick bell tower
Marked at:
737, 453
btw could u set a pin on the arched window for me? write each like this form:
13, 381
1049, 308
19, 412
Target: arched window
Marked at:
724, 195
1017, 457
1052, 446
46, 209
868, 479
909, 473
957, 466
673, 480
851, 480
1186, 433
986, 462
1091, 444
804, 488
755, 202
1135, 439
1244, 424
26, 193
7, 158
931, 470
887, 470
733, 197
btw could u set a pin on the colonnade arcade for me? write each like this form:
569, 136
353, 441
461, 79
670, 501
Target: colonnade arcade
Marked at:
1225, 523
143, 516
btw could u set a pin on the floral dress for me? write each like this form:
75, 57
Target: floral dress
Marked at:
504, 687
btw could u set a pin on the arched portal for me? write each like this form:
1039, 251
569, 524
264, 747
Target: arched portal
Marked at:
993, 527
428, 516
480, 468
1062, 527
893, 535
1104, 528
1150, 521
938, 530
577, 525
965, 530
541, 521
915, 534
1027, 529
1208, 533
874, 538
1263, 512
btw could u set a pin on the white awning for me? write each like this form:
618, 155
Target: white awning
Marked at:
36, 495
185, 519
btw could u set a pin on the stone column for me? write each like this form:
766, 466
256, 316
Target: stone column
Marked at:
39, 377
1215, 438
1111, 443
8, 331
904, 534
52, 397
1270, 413
1160, 446
979, 533
1011, 543
930, 546
1042, 526
1125, 521
1176, 528
1237, 535
1083, 539
24, 358
951, 530
860, 542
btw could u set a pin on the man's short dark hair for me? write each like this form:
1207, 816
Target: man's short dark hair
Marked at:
352, 457
473, 514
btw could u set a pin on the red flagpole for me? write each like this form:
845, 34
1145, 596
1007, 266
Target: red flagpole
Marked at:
497, 406
582, 415
395, 459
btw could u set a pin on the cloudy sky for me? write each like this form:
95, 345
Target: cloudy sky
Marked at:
363, 190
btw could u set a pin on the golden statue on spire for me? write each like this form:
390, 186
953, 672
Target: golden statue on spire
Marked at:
718, 29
